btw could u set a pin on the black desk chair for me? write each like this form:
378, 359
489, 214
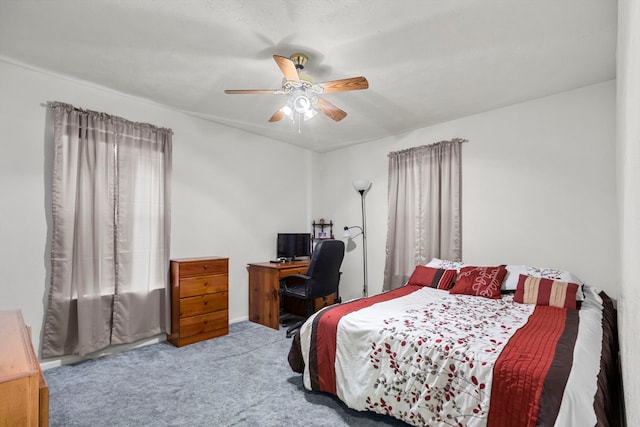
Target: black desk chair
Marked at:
320, 281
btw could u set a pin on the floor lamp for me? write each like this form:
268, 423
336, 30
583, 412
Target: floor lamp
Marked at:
361, 186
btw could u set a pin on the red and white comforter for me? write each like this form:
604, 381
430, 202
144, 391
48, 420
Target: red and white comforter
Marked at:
430, 358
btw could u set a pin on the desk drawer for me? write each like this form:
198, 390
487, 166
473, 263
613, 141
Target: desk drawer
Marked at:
200, 285
201, 304
293, 270
203, 323
203, 267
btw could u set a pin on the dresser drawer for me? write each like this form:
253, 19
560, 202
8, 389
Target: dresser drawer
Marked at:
200, 285
194, 325
201, 304
203, 267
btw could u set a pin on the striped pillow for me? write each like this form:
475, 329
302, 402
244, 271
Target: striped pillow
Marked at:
541, 291
437, 278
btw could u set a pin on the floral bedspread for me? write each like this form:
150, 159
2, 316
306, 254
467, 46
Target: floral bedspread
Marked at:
428, 358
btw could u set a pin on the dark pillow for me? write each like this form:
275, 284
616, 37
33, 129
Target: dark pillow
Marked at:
480, 281
437, 278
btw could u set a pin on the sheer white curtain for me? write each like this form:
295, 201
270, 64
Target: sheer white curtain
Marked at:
424, 209
110, 237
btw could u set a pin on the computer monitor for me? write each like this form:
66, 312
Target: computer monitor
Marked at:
294, 245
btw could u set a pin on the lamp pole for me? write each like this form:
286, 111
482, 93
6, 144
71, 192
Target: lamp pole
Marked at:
361, 186
365, 290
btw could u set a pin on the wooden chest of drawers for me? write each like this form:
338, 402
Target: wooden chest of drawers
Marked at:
24, 396
199, 299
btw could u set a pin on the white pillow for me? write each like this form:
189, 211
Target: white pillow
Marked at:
510, 282
447, 265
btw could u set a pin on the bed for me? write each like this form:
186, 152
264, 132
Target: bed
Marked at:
470, 346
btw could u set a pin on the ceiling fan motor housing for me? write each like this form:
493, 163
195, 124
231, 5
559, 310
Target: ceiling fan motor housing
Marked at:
299, 59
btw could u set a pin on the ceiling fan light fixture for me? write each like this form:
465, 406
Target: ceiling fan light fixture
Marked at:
310, 114
287, 110
301, 103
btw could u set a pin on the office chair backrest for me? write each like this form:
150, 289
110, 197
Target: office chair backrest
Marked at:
324, 268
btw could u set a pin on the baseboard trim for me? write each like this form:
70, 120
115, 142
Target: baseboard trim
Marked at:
70, 360
109, 351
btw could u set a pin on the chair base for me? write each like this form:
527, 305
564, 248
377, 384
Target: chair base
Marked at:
292, 322
291, 330
287, 317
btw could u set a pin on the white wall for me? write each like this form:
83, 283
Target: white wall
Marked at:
223, 202
538, 188
628, 90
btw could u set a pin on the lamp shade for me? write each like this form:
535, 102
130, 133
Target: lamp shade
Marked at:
361, 184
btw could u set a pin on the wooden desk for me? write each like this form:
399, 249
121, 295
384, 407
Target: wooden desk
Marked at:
264, 291
24, 396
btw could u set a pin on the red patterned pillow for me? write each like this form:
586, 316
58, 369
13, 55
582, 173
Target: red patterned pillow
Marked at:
541, 291
437, 278
480, 281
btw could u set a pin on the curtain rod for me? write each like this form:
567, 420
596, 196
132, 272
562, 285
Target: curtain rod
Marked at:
52, 104
459, 140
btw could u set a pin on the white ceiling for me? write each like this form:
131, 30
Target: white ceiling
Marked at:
426, 61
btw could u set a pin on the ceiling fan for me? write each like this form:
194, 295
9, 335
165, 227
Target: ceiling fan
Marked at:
303, 93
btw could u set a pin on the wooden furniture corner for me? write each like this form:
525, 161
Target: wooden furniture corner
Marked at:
24, 395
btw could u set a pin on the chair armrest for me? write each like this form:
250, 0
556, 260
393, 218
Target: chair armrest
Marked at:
291, 276
295, 278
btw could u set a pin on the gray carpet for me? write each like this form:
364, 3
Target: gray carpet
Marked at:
242, 379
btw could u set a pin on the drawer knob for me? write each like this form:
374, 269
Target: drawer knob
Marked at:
206, 266
206, 302
206, 283
206, 321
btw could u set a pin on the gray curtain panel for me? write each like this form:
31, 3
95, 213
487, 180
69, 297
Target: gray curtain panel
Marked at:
424, 209
110, 238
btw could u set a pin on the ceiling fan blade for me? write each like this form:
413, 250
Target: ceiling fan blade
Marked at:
353, 83
249, 92
330, 110
277, 116
287, 67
